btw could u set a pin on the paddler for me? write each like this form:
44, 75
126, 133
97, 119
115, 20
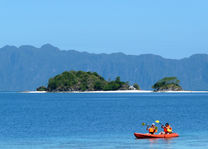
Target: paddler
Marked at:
152, 129
167, 128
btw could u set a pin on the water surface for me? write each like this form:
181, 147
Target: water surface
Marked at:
100, 121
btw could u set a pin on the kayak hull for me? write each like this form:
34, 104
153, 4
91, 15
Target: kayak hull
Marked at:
146, 136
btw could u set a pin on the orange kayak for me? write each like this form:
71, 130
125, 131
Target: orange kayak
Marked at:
144, 136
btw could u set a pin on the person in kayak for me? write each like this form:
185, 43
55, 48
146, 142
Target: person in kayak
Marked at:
152, 129
167, 129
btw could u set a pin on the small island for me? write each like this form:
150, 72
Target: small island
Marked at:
167, 84
70, 81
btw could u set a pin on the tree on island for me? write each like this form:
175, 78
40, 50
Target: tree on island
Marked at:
136, 86
82, 81
41, 88
167, 84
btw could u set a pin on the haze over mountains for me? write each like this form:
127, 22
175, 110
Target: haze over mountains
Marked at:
27, 67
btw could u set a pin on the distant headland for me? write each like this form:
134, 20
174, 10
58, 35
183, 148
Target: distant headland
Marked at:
27, 67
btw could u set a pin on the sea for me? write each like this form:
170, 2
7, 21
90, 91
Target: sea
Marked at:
101, 120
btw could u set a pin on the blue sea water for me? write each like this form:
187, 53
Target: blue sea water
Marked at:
101, 121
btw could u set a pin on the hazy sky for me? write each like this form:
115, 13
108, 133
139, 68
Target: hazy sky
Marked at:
170, 28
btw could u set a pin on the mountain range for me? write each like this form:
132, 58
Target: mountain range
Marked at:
28, 67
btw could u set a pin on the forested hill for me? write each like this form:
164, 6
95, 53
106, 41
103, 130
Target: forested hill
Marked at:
27, 67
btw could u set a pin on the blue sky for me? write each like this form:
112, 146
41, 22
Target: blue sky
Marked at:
170, 28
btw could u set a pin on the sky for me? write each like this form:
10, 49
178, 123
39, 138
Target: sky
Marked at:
170, 28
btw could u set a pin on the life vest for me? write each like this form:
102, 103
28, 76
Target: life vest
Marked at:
168, 129
152, 130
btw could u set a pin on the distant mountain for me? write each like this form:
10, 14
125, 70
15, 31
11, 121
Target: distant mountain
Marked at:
27, 67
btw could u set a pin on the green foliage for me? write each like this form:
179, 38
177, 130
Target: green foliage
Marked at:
167, 83
83, 81
136, 86
99, 85
111, 86
42, 88
116, 85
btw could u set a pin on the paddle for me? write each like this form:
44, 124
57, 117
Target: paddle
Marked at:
157, 121
144, 124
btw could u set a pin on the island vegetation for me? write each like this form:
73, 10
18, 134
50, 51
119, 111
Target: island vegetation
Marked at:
84, 81
136, 86
167, 84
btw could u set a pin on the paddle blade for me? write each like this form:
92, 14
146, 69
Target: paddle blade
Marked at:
156, 128
143, 124
157, 121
